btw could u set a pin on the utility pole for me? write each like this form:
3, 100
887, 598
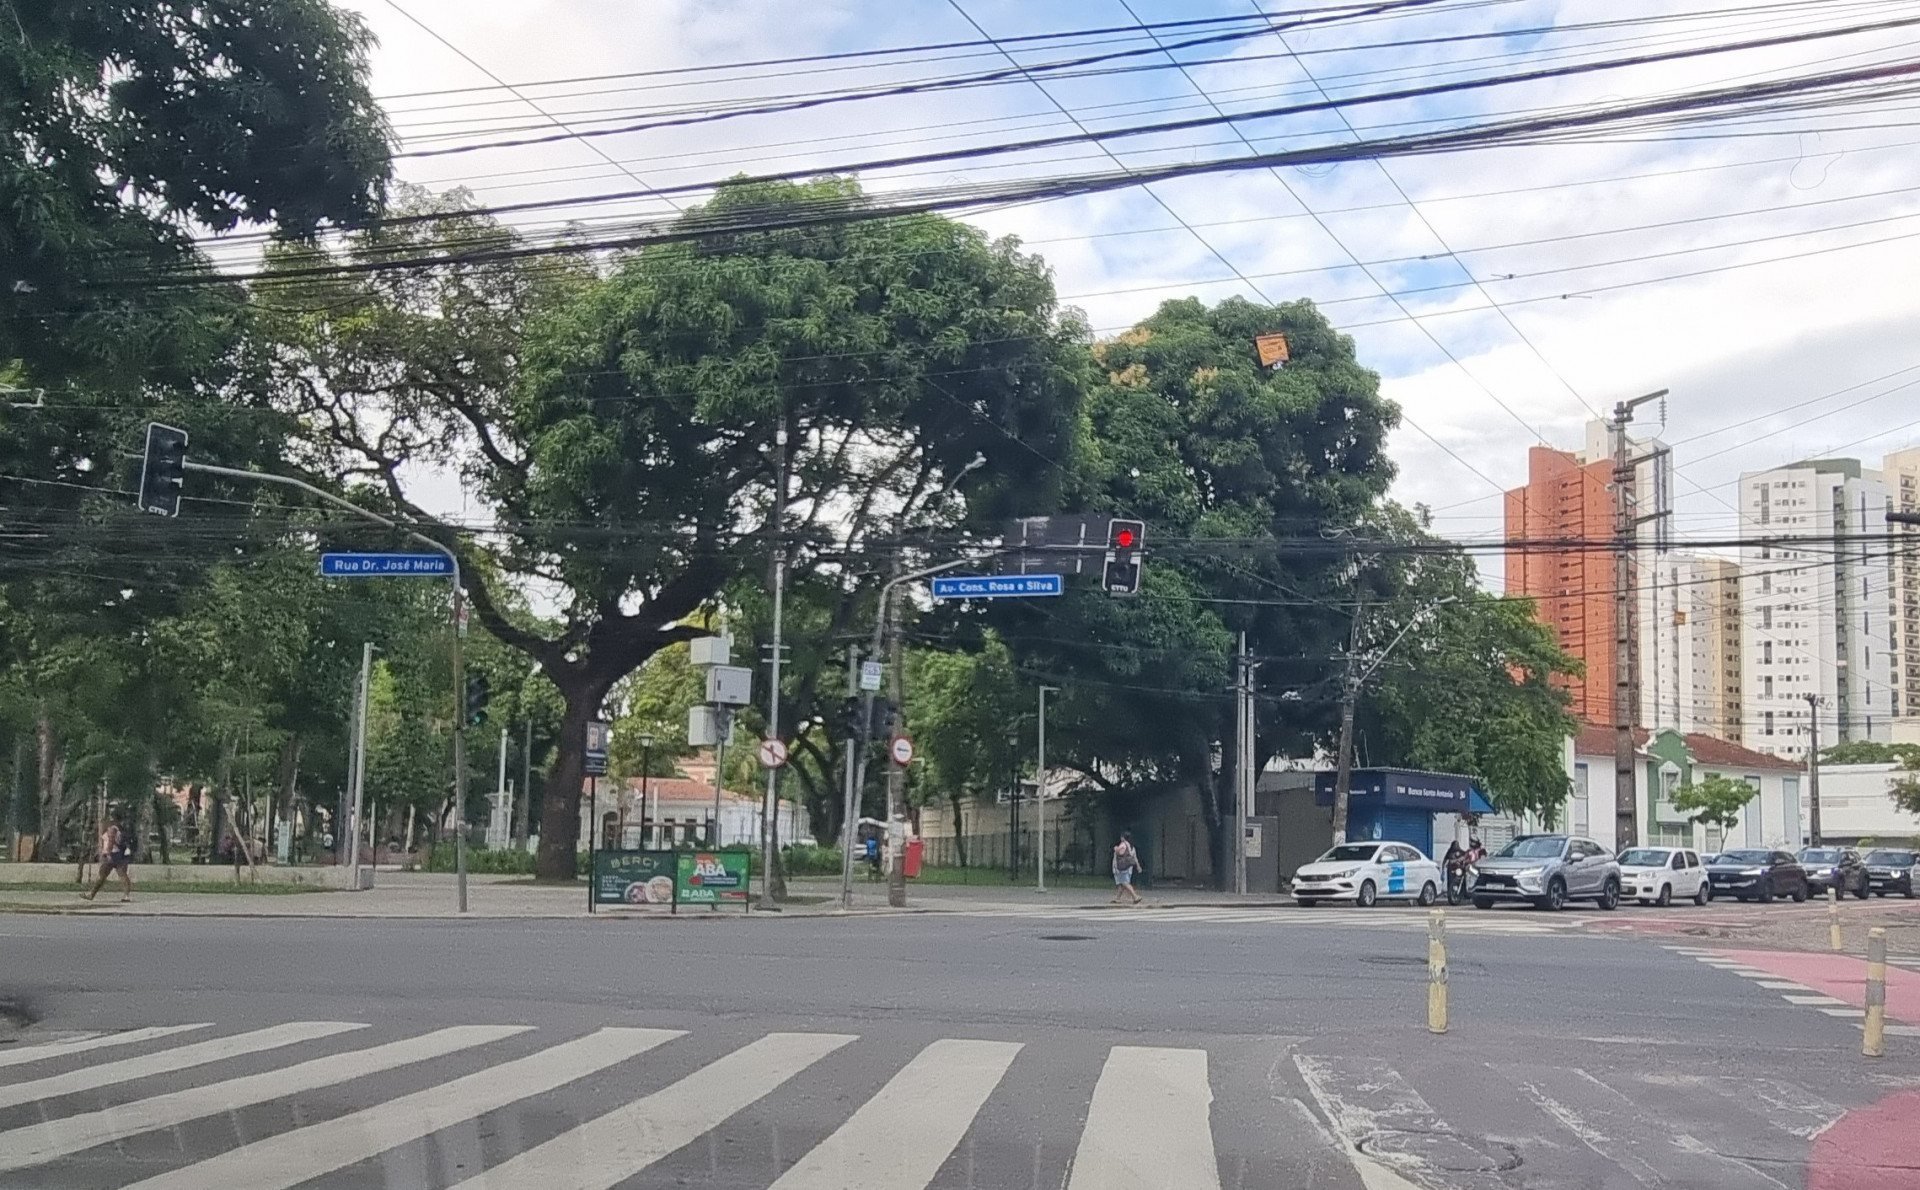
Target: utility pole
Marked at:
771, 806
358, 769
850, 810
1343, 761
1813, 769
1039, 797
1242, 761
1626, 677
896, 773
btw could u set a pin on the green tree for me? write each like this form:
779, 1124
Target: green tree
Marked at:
1869, 752
1718, 800
966, 717
623, 428
1905, 788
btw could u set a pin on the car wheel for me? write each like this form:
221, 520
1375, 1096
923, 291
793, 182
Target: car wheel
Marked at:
1610, 895
1703, 894
1483, 902
1766, 894
1306, 902
1556, 898
1862, 892
1879, 892
1366, 896
1666, 896
1428, 894
1800, 895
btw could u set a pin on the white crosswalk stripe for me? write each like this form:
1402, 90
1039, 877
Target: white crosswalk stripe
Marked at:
187, 1056
614, 1147
1475, 922
40, 1143
293, 1157
898, 1139
1155, 1116
90, 1041
1148, 1126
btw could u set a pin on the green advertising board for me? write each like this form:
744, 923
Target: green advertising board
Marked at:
713, 877
633, 877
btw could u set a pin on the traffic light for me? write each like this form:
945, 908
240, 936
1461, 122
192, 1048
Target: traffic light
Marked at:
477, 696
1121, 576
164, 472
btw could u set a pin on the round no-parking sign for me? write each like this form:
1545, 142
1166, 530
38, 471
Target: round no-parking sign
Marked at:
901, 750
773, 754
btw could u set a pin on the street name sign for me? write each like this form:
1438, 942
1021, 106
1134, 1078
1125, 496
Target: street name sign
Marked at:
386, 566
991, 586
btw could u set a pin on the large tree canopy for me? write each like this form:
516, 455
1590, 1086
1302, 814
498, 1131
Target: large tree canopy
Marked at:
623, 430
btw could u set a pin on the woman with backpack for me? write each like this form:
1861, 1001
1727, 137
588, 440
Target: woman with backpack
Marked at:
1126, 861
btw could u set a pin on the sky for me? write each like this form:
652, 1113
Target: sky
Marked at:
1763, 270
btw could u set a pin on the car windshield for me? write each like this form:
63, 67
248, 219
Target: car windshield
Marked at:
1892, 859
1350, 853
1644, 857
1742, 857
1820, 855
1538, 847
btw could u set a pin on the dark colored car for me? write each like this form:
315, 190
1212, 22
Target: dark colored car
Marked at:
1753, 874
1835, 867
1890, 870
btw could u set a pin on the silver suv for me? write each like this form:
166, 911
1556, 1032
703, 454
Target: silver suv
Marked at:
1548, 871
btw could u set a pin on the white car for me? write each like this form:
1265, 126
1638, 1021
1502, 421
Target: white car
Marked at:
1663, 875
1367, 872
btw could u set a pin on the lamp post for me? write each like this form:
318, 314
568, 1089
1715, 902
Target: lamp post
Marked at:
646, 783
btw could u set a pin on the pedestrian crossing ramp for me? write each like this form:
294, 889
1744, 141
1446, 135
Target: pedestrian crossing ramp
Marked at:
326, 1103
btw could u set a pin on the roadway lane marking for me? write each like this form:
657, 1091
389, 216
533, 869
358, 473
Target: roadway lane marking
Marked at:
284, 1161
611, 1148
39, 1143
1813, 999
1784, 1106
1148, 1125
1845, 1013
900, 1138
90, 1041
125, 1070
1392, 1104
1781, 985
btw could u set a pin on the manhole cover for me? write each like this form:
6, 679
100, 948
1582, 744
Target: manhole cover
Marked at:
1066, 938
1441, 1150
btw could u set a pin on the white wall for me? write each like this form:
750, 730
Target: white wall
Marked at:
1854, 803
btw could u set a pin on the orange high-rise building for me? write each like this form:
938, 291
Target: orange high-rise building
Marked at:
1566, 498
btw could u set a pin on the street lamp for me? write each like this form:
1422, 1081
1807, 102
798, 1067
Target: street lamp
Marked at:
646, 779
1039, 797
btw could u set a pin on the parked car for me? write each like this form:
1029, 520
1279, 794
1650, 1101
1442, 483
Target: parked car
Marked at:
1835, 867
1548, 871
1890, 870
1755, 874
1659, 875
1367, 872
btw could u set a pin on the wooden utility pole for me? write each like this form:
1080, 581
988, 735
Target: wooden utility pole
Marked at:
1626, 676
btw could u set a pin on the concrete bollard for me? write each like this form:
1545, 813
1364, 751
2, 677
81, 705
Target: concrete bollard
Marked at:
1834, 941
1874, 1043
1436, 970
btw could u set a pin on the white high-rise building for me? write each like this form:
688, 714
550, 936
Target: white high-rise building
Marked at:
1690, 646
1815, 617
1900, 471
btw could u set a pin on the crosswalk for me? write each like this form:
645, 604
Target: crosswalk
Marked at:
1154, 1115
1460, 919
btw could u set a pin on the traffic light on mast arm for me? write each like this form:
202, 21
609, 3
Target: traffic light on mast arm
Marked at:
478, 695
1121, 575
163, 473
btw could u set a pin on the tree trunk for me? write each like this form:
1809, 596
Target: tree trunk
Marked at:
560, 807
289, 781
50, 776
1210, 784
959, 827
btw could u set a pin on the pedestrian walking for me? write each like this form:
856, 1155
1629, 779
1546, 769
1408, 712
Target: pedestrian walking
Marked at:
1126, 861
116, 855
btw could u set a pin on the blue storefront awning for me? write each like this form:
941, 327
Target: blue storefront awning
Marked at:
1477, 802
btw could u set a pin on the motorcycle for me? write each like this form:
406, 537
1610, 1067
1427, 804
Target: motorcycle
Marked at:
1461, 873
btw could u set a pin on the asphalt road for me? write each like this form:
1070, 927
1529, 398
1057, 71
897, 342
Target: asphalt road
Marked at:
947, 1050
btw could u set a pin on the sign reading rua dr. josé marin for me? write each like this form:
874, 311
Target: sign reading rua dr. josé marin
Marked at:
633, 877
713, 877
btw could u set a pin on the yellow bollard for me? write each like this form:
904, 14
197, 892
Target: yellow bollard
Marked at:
1874, 1044
1834, 941
1436, 970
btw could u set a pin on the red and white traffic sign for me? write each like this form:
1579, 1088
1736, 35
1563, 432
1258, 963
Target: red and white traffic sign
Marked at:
773, 753
901, 750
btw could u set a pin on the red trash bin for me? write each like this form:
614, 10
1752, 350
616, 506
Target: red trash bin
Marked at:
915, 848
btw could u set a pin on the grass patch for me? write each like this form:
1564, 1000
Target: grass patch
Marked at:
158, 887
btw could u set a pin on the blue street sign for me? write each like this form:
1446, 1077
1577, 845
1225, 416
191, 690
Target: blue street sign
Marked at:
386, 566
1010, 586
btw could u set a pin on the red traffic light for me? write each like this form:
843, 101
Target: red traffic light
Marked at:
1123, 538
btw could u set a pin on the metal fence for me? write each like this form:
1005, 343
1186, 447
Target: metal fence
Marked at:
1069, 852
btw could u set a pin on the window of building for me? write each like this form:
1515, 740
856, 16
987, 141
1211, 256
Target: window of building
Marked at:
1766, 687
1768, 721
1766, 652
1766, 617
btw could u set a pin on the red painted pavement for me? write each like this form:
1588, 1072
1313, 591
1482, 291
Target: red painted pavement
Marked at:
1841, 976
1870, 1148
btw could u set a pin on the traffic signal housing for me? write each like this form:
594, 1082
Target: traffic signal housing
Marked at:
163, 472
1125, 538
478, 695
